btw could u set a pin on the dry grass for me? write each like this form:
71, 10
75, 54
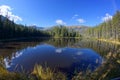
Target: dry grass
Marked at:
43, 73
47, 74
6, 75
110, 69
109, 41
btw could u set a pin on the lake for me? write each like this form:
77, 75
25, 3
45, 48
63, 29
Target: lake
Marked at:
65, 55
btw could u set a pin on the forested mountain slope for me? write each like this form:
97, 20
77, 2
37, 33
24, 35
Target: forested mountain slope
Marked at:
9, 29
107, 30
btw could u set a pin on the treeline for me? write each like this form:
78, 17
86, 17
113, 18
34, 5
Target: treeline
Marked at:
9, 29
63, 31
107, 30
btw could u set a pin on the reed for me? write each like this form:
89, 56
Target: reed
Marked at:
45, 73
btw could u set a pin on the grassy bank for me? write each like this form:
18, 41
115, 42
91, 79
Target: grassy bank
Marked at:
107, 71
67, 37
45, 73
109, 41
39, 73
104, 40
6, 75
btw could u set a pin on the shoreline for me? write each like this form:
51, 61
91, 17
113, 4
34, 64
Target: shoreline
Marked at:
21, 38
68, 37
109, 41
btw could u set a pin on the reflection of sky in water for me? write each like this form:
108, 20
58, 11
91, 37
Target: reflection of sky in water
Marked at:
79, 53
7, 64
14, 55
58, 50
65, 59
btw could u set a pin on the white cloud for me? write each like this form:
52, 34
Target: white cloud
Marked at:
76, 15
6, 11
81, 20
107, 17
60, 22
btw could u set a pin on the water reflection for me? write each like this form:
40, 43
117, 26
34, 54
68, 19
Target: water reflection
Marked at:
66, 55
102, 48
64, 59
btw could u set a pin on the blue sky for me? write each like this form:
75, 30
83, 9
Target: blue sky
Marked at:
46, 13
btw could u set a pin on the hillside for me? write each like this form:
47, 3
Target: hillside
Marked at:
80, 29
109, 30
9, 29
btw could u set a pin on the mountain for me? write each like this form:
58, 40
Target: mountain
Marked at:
80, 29
38, 28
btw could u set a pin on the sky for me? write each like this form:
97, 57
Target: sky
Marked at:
45, 13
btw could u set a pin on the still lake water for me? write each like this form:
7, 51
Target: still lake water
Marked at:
66, 55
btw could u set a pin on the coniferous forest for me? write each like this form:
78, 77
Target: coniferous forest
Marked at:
107, 30
9, 29
63, 31
62, 38
59, 39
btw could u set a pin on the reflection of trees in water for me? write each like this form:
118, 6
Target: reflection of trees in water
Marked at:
63, 42
8, 49
8, 52
101, 47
